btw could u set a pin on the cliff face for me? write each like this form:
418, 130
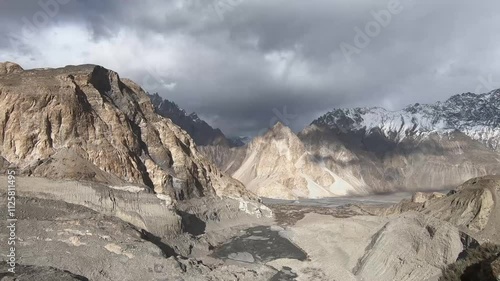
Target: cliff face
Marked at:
85, 123
278, 165
421, 147
9, 67
472, 207
381, 164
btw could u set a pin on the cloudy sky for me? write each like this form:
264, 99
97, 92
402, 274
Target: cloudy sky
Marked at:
244, 64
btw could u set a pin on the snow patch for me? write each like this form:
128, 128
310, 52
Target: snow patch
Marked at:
477, 116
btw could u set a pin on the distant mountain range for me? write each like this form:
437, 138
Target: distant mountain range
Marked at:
358, 150
201, 132
129, 136
370, 150
477, 116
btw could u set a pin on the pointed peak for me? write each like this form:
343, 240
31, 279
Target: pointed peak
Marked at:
279, 129
155, 99
279, 126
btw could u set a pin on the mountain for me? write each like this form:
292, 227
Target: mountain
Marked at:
201, 132
86, 123
277, 165
373, 150
476, 116
433, 146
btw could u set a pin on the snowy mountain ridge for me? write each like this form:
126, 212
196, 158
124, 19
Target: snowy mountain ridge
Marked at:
475, 115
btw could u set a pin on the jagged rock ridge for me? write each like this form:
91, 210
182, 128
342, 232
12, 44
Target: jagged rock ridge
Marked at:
477, 116
201, 132
473, 207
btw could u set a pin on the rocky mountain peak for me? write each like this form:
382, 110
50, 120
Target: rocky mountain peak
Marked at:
476, 115
279, 130
278, 165
9, 67
85, 122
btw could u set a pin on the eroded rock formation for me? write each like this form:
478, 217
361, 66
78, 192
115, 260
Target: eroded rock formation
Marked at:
86, 123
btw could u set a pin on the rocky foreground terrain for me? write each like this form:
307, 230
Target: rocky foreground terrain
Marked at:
417, 239
107, 189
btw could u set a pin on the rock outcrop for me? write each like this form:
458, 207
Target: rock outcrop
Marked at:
410, 247
422, 197
9, 67
86, 123
473, 207
495, 268
480, 263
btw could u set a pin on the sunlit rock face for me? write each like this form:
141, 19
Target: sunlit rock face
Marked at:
372, 150
421, 147
86, 123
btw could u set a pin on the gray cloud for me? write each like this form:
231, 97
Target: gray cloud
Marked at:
240, 63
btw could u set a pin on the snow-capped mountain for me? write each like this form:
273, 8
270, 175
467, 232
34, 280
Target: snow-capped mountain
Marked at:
201, 132
370, 150
431, 146
477, 116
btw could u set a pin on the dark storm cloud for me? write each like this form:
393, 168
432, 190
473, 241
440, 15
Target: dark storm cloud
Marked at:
244, 64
